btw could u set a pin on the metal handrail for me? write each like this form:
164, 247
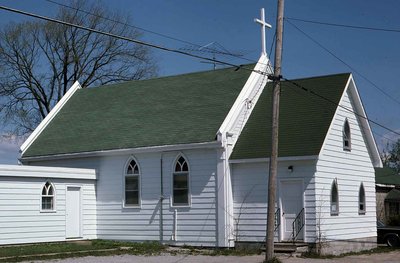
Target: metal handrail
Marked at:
277, 218
298, 224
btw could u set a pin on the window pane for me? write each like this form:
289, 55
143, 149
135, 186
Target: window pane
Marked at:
334, 195
47, 203
131, 183
131, 197
180, 181
178, 167
185, 167
180, 197
50, 191
334, 207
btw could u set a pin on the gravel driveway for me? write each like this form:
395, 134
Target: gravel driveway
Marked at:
392, 257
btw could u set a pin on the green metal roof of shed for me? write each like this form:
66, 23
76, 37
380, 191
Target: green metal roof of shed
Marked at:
387, 175
304, 118
173, 110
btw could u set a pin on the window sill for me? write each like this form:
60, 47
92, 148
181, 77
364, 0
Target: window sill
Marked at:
131, 207
181, 206
361, 213
48, 211
334, 214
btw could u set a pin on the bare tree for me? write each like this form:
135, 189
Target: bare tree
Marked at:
391, 156
41, 60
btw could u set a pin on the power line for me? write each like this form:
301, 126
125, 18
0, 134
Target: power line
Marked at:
187, 54
151, 32
345, 63
344, 25
130, 40
338, 105
119, 22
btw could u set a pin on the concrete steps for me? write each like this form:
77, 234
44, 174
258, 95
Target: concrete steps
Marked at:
290, 247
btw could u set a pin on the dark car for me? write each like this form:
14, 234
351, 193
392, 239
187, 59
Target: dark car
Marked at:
389, 235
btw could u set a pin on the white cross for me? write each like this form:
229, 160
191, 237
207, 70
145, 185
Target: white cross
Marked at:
263, 26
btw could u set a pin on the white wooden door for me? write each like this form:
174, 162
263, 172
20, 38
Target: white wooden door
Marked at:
291, 197
73, 212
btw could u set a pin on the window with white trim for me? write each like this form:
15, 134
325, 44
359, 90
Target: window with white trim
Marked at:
48, 197
132, 184
180, 184
361, 200
334, 199
346, 136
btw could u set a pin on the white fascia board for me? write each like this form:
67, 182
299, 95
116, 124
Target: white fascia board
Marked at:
370, 140
47, 172
234, 112
280, 159
49, 117
386, 185
162, 148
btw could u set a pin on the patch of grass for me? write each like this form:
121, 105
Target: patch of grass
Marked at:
78, 249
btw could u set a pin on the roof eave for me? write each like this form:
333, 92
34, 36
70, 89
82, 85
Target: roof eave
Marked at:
370, 140
162, 148
43, 124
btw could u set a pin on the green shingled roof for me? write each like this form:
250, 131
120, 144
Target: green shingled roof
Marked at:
165, 111
304, 118
386, 175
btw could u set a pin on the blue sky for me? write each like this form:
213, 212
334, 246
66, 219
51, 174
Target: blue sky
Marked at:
230, 23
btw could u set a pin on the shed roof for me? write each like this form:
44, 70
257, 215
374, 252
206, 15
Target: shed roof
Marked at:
387, 175
304, 118
173, 110
393, 195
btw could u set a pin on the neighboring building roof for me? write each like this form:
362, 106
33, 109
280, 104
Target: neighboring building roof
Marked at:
393, 195
303, 123
164, 111
386, 175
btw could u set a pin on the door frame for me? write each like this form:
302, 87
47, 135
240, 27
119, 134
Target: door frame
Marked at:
80, 211
281, 229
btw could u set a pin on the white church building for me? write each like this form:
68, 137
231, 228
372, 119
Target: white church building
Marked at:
183, 160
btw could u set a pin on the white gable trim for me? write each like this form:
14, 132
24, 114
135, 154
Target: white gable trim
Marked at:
49, 117
281, 159
370, 140
47, 172
163, 148
365, 128
248, 92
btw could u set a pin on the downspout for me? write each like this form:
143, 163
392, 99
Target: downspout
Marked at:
161, 199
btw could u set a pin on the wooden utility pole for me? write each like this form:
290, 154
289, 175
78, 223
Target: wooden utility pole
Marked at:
273, 165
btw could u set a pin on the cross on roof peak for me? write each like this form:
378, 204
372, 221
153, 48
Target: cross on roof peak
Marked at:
263, 26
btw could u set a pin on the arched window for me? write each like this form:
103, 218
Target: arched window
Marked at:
132, 184
346, 136
48, 197
361, 200
180, 196
334, 199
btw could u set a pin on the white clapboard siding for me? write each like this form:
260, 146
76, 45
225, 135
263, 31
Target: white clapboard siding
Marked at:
196, 224
350, 169
250, 191
21, 218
